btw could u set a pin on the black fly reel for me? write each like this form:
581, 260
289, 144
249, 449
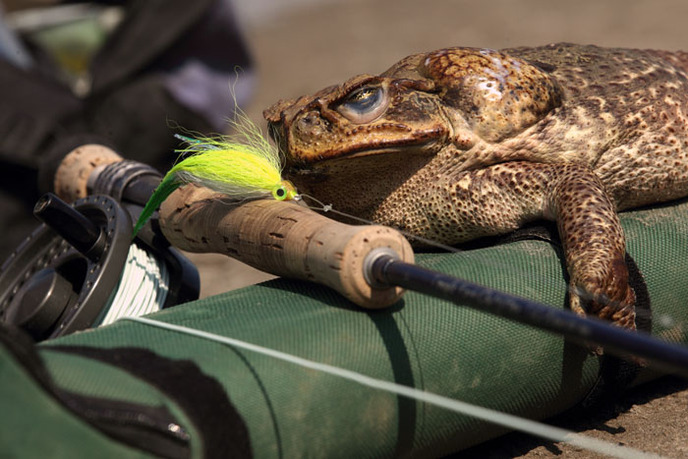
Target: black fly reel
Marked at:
60, 277
64, 276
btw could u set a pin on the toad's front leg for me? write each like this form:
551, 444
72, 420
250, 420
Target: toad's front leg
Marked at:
594, 245
501, 198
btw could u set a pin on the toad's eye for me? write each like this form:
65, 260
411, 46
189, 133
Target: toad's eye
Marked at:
364, 104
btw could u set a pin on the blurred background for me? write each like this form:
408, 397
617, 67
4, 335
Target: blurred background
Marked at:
136, 69
302, 45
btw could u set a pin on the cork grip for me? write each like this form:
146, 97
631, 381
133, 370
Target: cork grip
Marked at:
282, 238
71, 177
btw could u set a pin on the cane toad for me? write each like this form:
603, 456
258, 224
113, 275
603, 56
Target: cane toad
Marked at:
461, 143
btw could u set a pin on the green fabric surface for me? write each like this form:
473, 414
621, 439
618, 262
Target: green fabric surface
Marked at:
35, 426
423, 342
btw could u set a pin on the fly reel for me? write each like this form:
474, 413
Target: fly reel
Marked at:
79, 269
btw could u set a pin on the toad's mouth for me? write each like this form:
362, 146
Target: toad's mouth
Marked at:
426, 142
380, 159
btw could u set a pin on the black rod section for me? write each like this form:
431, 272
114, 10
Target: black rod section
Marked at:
670, 357
129, 181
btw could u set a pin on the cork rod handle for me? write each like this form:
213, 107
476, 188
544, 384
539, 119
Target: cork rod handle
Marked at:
283, 238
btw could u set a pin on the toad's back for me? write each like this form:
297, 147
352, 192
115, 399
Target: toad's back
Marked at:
625, 111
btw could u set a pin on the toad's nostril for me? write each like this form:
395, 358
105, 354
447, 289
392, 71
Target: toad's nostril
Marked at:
310, 124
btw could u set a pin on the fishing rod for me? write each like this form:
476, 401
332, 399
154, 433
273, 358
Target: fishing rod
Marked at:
370, 265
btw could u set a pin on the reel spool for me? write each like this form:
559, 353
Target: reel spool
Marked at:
74, 271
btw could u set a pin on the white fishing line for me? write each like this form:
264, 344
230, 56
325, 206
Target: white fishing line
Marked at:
555, 434
142, 287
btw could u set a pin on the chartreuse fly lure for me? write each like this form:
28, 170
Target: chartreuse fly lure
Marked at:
242, 170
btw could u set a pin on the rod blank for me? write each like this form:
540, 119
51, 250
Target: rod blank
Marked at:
387, 270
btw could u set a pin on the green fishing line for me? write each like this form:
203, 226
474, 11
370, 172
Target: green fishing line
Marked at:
242, 170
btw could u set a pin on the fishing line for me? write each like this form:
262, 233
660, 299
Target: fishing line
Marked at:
535, 428
142, 288
328, 208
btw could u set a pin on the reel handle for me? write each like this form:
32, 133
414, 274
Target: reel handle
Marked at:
284, 239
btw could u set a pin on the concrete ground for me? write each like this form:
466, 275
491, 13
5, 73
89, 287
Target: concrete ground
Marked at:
303, 45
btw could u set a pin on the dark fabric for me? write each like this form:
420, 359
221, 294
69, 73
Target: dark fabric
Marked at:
151, 27
143, 427
21, 346
34, 110
141, 88
201, 397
